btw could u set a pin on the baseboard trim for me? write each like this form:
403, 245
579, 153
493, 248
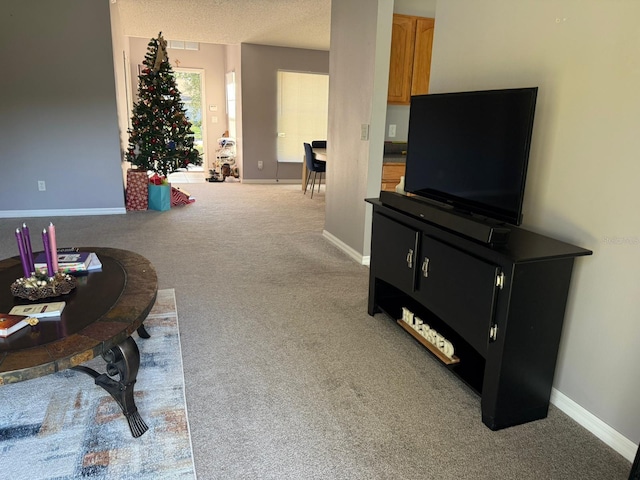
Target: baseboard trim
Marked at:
604, 432
270, 181
74, 212
344, 247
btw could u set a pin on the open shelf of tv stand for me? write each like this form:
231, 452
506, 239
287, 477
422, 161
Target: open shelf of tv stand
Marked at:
502, 306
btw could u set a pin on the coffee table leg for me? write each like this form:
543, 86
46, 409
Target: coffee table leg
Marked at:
143, 331
122, 360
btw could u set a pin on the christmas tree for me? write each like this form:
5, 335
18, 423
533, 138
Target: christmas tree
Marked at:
161, 139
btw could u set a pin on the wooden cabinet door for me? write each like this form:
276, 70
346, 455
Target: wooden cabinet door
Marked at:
402, 52
394, 252
422, 56
391, 174
459, 288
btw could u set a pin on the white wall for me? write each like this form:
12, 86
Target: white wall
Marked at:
58, 118
584, 169
358, 80
419, 8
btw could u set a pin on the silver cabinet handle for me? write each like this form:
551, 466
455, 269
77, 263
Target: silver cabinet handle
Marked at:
410, 258
425, 267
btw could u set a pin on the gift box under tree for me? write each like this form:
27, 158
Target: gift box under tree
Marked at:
137, 193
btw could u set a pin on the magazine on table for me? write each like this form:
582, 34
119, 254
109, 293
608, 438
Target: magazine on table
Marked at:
71, 261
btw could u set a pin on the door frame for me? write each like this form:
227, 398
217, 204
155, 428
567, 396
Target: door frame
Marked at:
203, 112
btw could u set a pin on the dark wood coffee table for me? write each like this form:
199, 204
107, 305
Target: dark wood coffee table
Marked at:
100, 315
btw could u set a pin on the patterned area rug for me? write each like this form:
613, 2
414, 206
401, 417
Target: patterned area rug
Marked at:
64, 427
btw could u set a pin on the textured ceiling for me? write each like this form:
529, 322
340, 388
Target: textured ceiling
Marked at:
285, 23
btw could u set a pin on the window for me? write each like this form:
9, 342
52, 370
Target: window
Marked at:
303, 103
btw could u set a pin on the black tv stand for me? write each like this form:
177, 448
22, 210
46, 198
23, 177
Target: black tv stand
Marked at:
479, 229
500, 307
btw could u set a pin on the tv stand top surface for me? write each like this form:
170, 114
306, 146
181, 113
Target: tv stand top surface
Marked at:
519, 245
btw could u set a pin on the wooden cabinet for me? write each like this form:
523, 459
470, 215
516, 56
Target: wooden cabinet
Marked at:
410, 63
391, 173
500, 307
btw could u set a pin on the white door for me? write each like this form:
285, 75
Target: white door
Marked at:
303, 104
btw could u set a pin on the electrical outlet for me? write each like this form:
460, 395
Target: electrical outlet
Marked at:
260, 164
41, 185
392, 131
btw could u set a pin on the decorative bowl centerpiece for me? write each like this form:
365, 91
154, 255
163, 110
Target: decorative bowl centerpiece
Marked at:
40, 285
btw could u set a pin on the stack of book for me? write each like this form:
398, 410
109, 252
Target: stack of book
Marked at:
70, 260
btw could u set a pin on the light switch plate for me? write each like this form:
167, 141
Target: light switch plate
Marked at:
364, 131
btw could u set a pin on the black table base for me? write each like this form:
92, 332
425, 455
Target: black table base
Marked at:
123, 361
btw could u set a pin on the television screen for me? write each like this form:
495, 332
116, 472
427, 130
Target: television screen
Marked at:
470, 150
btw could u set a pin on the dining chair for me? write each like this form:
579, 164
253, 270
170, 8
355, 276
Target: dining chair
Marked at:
313, 166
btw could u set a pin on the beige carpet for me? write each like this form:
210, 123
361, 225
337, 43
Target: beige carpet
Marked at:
286, 375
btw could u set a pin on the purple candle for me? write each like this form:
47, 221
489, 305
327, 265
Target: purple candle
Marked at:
26, 238
23, 257
47, 251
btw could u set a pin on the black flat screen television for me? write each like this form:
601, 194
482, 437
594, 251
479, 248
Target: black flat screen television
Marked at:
470, 150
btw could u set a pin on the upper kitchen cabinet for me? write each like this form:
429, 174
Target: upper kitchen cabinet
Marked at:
410, 66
